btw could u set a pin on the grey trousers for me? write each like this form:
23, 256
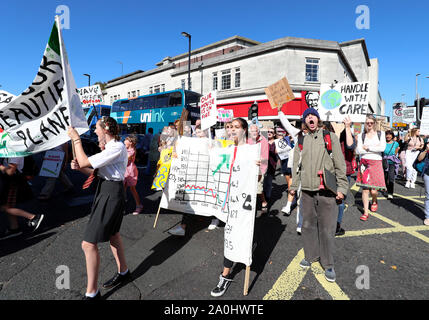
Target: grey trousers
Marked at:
319, 212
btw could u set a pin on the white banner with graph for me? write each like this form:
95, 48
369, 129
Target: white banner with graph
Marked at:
219, 182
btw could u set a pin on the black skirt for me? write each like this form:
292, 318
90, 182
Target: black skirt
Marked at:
106, 212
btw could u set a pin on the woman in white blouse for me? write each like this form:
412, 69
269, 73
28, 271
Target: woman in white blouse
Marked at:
371, 145
109, 202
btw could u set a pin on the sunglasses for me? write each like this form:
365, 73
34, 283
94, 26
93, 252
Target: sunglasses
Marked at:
369, 123
271, 132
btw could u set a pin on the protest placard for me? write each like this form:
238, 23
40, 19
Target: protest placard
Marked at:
90, 95
344, 99
38, 119
216, 181
225, 115
279, 93
424, 124
208, 110
409, 114
52, 163
164, 164
282, 148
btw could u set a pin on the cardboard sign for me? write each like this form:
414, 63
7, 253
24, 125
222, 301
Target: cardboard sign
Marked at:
208, 110
344, 99
279, 93
52, 163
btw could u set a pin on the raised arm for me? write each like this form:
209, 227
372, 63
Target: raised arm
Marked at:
288, 127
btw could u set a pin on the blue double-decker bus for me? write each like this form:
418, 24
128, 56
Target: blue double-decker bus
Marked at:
155, 111
93, 113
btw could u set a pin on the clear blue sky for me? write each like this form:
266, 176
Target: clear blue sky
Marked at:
142, 33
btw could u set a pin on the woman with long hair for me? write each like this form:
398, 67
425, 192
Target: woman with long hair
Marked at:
390, 155
109, 202
414, 145
371, 145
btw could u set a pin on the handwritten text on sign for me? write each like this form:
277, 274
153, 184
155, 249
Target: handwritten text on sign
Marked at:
208, 110
344, 99
279, 93
220, 182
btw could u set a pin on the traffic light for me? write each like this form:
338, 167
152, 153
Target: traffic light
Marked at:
421, 104
253, 111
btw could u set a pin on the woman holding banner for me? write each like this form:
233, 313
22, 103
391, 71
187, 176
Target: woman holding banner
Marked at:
239, 133
109, 202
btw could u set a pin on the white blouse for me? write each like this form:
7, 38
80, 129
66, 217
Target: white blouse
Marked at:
111, 162
376, 146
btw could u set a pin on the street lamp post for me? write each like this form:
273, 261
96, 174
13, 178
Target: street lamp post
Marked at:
89, 78
187, 35
418, 102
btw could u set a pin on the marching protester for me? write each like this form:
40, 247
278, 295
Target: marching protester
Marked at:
132, 173
15, 190
254, 138
239, 133
105, 220
371, 145
295, 134
402, 150
272, 164
414, 144
317, 154
424, 156
390, 162
49, 186
348, 146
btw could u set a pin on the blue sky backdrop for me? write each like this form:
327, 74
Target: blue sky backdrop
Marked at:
142, 33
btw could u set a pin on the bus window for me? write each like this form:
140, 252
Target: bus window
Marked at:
148, 102
161, 101
175, 99
115, 106
105, 112
138, 104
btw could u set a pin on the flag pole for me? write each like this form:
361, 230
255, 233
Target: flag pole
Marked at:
246, 281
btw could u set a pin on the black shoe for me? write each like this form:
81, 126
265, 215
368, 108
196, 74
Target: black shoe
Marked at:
97, 297
117, 279
9, 233
339, 231
222, 286
35, 223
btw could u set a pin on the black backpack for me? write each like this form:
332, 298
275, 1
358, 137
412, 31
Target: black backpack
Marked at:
30, 169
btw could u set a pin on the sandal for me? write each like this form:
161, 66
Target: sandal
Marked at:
364, 217
264, 208
374, 207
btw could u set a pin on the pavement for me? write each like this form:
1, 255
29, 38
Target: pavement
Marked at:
385, 257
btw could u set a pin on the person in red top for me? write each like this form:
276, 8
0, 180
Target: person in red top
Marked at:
256, 137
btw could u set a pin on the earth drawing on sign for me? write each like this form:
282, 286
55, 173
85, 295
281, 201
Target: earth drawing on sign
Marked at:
331, 99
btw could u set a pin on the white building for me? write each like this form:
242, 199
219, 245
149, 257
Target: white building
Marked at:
240, 69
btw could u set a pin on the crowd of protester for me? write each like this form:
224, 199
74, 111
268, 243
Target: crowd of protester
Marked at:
314, 154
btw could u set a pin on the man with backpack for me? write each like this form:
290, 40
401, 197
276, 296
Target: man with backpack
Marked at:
320, 168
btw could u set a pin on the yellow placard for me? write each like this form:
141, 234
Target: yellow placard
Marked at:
164, 164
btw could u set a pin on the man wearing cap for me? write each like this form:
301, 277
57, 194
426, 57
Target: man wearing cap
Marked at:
318, 204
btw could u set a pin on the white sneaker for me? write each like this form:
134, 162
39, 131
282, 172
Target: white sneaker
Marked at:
177, 231
426, 222
390, 196
213, 225
286, 210
408, 184
298, 230
413, 186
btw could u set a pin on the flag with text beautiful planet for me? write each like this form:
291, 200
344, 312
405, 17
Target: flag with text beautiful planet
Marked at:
38, 119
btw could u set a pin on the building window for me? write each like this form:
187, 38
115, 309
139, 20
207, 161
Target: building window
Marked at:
129, 95
183, 83
162, 87
157, 89
312, 70
237, 78
214, 80
133, 93
226, 79
150, 90
111, 99
138, 93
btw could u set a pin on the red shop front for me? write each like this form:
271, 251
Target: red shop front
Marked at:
294, 108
